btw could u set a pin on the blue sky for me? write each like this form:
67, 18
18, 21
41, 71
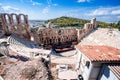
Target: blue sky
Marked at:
103, 10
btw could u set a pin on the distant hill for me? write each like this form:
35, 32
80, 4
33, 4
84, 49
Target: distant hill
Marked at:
68, 22
109, 25
75, 22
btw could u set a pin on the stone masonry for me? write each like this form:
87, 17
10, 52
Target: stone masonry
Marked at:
18, 25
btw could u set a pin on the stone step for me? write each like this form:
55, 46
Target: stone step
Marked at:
4, 50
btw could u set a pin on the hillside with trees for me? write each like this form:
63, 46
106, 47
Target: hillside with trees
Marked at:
112, 25
75, 22
68, 22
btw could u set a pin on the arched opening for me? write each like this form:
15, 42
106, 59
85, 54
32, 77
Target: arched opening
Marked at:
14, 18
59, 32
22, 19
7, 19
14, 21
7, 23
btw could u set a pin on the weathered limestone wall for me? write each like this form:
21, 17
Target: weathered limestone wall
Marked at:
15, 24
18, 25
1, 28
94, 23
88, 27
53, 36
0, 23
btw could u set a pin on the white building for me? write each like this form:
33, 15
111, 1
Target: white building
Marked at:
92, 58
110, 72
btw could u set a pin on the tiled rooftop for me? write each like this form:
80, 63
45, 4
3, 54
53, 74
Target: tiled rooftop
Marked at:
100, 53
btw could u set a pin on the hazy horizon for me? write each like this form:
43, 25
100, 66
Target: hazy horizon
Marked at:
104, 10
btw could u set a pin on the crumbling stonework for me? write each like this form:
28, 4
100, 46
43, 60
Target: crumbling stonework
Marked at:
13, 69
1, 28
18, 25
88, 27
15, 24
54, 36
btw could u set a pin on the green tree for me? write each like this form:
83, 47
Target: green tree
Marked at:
118, 25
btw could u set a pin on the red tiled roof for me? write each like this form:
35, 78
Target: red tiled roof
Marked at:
100, 53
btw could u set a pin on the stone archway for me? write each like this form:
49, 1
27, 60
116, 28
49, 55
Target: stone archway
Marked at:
14, 22
6, 23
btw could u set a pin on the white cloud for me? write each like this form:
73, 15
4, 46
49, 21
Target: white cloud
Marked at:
35, 3
45, 10
115, 12
50, 3
105, 11
81, 1
99, 12
9, 9
110, 14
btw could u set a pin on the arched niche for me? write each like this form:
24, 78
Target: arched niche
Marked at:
14, 21
7, 19
22, 18
14, 18
23, 27
7, 22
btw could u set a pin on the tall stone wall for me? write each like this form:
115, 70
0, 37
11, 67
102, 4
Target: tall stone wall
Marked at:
2, 32
0, 23
88, 27
18, 25
15, 24
54, 36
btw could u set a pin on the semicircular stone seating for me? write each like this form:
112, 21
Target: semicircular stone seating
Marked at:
23, 47
4, 50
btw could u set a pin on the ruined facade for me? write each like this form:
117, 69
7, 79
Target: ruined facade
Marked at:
88, 27
54, 36
15, 24
1, 28
18, 25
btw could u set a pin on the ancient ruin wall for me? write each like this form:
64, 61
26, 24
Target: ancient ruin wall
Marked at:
15, 24
54, 36
18, 25
88, 27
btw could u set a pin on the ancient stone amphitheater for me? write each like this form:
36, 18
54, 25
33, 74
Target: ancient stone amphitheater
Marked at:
26, 42
18, 25
23, 44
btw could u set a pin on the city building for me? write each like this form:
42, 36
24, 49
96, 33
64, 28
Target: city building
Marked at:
110, 72
91, 61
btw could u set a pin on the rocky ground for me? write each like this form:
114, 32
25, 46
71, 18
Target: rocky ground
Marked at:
15, 69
